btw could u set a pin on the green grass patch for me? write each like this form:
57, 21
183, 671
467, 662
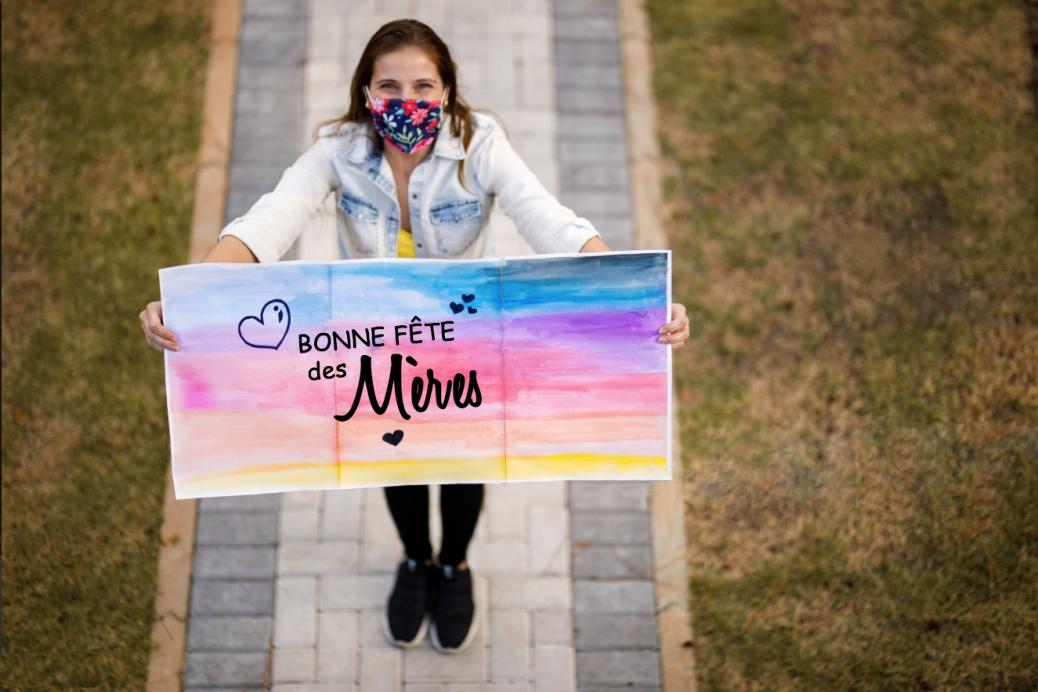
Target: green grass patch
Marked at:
850, 192
101, 122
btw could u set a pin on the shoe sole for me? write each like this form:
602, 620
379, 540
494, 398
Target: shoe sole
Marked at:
473, 630
418, 638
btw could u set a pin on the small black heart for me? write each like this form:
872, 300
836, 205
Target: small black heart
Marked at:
456, 307
394, 437
468, 297
472, 310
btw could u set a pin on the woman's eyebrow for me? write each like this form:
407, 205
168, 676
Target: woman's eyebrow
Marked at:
417, 81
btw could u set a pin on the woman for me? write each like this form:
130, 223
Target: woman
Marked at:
435, 158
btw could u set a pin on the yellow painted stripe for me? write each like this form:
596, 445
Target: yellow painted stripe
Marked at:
257, 479
408, 471
325, 475
586, 465
261, 469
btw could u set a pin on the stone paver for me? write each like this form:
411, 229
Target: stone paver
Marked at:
288, 588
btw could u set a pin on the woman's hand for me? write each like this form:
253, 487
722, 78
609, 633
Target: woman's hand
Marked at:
155, 332
676, 331
227, 249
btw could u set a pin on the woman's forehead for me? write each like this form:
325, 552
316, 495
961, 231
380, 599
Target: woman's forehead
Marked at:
405, 65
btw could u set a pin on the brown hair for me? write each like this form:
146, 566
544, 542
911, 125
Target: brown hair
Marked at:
391, 36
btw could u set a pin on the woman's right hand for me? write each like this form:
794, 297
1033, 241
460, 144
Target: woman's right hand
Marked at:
228, 249
155, 332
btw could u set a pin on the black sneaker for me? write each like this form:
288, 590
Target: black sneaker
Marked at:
404, 618
454, 615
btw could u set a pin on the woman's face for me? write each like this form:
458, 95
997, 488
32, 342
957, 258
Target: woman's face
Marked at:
407, 73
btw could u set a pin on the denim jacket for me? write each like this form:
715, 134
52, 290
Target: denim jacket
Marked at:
445, 218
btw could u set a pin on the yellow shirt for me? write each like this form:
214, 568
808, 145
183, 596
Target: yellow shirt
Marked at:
405, 244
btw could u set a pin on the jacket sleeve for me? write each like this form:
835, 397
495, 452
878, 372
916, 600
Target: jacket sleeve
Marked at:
277, 218
546, 224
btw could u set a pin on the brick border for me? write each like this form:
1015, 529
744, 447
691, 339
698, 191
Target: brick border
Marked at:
231, 613
673, 618
614, 601
166, 661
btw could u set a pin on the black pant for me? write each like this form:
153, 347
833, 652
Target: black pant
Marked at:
460, 505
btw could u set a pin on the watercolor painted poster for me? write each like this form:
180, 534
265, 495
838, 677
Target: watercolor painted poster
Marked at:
317, 375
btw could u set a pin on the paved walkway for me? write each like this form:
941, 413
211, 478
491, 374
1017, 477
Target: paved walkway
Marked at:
287, 589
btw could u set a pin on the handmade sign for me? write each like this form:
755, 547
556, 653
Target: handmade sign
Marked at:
316, 375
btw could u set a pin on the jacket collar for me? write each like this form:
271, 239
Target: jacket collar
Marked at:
446, 145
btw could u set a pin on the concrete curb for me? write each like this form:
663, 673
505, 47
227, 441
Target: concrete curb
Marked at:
673, 621
166, 662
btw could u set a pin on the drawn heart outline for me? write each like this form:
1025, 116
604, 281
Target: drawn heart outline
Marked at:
456, 307
284, 315
468, 297
394, 437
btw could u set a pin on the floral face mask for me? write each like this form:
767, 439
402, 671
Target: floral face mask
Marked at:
407, 124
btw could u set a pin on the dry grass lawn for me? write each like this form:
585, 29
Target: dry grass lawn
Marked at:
101, 119
852, 193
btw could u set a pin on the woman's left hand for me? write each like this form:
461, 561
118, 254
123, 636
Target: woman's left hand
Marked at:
676, 331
